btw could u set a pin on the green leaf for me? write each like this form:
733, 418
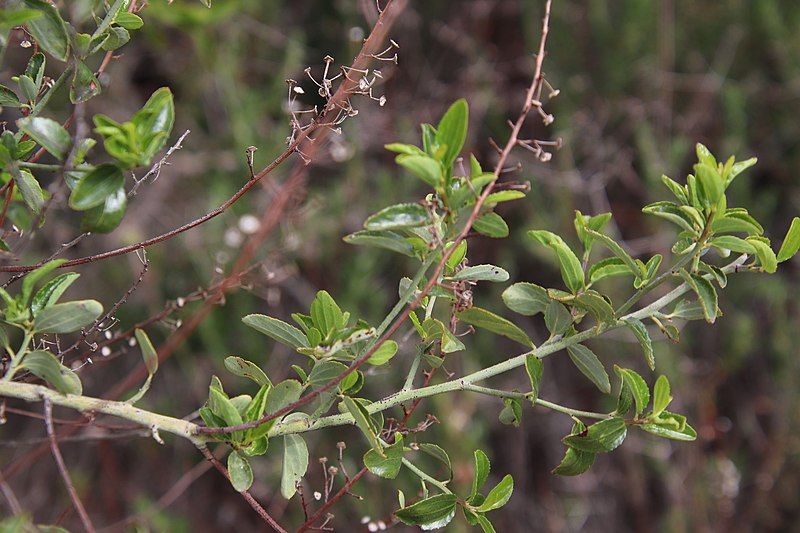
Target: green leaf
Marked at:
398, 216
737, 221
491, 225
609, 267
617, 250
740, 167
481, 273
278, 330
381, 239
640, 331
8, 98
52, 291
557, 318
246, 369
604, 436
438, 453
93, 189
672, 212
526, 298
671, 426
84, 85
637, 386
326, 314
149, 353
575, 462
153, 123
425, 168
571, 269
511, 414
240, 472
383, 354
661, 395
481, 318
431, 513
452, 131
706, 294
498, 496
47, 367
224, 408
295, 464
67, 317
106, 217
733, 244
710, 184
48, 133
678, 190
325, 371
591, 367
255, 409
30, 281
362, 419
284, 393
389, 466
481, 473
30, 189
503, 196
596, 304
766, 257
791, 243
11, 18
129, 21
49, 30
402, 148
534, 367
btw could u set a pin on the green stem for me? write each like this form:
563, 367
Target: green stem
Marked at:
51, 168
16, 359
425, 477
544, 403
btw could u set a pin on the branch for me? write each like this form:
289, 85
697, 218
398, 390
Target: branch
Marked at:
62, 467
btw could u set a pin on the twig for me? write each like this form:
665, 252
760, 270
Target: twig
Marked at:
62, 467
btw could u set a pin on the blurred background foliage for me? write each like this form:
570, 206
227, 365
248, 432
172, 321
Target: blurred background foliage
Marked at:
640, 83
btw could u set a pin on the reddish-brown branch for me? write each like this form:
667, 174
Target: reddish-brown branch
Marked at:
257, 507
7, 202
62, 467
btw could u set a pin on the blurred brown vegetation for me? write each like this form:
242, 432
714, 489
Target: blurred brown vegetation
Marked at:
640, 83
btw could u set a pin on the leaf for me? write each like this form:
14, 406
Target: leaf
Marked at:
526, 298
571, 269
732, 243
246, 369
596, 304
640, 331
637, 386
240, 472
49, 30
706, 294
93, 188
557, 318
491, 225
739, 167
295, 464
601, 437
326, 314
575, 462
48, 133
398, 216
591, 367
52, 291
30, 281
481, 273
67, 317
511, 414
791, 243
709, 183
84, 85
11, 18
609, 267
278, 330
362, 420
389, 466
153, 123
487, 320
106, 217
534, 367
8, 98
431, 513
503, 196
766, 257
47, 367
30, 190
481, 473
383, 354
438, 453
452, 131
678, 190
381, 239
672, 212
617, 250
671, 426
425, 168
498, 496
129, 21
255, 409
149, 353
661, 395
284, 393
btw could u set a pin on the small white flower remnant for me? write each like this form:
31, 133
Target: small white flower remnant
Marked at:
132, 342
249, 224
106, 351
317, 495
233, 238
